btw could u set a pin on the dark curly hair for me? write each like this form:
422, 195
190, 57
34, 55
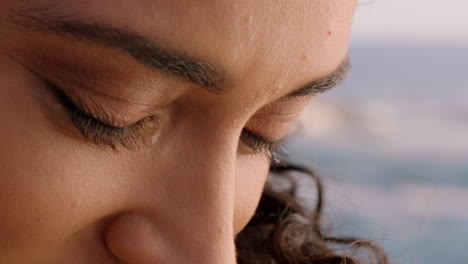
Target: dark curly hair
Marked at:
282, 231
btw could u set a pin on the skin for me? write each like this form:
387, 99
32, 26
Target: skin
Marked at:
184, 196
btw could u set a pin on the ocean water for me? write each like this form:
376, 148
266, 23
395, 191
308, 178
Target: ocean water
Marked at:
392, 147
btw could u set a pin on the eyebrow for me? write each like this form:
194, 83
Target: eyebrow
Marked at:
151, 54
326, 83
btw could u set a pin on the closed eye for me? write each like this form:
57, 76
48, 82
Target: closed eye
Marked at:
99, 131
102, 133
259, 145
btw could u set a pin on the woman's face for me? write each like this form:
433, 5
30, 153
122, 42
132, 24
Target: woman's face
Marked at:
139, 131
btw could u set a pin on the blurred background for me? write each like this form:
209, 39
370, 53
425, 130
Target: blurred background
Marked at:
392, 142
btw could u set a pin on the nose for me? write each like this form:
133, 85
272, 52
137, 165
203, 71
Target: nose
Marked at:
188, 207
133, 239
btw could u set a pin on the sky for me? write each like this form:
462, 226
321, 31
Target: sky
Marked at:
390, 143
411, 22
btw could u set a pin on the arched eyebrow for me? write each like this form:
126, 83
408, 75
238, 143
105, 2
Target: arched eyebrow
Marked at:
150, 53
326, 83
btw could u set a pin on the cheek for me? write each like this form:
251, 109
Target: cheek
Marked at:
40, 179
27, 193
251, 174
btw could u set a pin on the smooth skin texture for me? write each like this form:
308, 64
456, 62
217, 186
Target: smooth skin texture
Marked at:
182, 197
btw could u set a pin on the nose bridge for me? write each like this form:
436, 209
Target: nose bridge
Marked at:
189, 201
202, 159
205, 174
199, 183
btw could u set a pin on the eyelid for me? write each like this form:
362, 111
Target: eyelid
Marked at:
98, 131
260, 145
101, 132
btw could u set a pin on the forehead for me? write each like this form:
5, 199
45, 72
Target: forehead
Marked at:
262, 43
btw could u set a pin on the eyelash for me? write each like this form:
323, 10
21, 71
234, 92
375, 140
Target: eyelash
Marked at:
101, 133
272, 149
104, 134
